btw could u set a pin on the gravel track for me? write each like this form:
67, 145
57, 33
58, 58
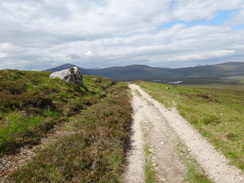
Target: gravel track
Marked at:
161, 130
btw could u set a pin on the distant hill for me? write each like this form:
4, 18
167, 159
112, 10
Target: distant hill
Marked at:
61, 67
146, 73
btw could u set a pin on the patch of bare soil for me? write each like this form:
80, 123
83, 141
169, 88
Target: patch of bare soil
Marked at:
162, 130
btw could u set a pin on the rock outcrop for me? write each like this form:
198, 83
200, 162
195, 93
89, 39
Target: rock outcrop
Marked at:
71, 75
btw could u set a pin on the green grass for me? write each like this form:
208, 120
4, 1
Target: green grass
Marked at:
150, 173
195, 174
218, 114
31, 104
232, 85
93, 148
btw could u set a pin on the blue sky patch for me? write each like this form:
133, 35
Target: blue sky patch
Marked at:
238, 27
220, 18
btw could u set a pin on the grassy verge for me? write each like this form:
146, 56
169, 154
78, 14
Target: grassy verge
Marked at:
218, 114
195, 174
92, 151
31, 104
150, 173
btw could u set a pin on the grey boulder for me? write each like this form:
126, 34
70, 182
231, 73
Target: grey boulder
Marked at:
71, 75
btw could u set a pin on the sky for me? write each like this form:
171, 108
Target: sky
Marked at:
41, 34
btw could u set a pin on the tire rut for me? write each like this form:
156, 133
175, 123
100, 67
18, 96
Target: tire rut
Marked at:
160, 140
162, 131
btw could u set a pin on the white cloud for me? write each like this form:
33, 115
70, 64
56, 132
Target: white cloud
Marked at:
189, 10
89, 53
201, 55
38, 34
237, 18
2, 55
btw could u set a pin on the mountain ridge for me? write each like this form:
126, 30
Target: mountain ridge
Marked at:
147, 73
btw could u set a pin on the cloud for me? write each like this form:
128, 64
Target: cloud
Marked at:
202, 55
91, 33
89, 53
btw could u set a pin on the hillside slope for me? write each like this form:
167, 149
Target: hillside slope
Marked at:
31, 104
91, 147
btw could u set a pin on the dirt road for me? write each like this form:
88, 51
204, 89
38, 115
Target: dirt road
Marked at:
166, 135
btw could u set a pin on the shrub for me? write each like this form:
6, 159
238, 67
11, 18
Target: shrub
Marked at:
32, 96
12, 87
94, 149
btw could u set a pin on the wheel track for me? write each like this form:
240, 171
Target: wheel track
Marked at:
162, 129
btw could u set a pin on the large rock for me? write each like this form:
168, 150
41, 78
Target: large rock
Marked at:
71, 75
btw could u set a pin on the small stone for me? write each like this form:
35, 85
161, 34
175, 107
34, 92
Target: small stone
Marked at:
163, 179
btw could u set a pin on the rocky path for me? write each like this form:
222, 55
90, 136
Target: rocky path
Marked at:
162, 131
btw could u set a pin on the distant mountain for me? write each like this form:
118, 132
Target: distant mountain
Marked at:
218, 70
61, 67
146, 73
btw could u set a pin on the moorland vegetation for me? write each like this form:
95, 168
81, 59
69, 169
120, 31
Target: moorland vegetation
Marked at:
98, 116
